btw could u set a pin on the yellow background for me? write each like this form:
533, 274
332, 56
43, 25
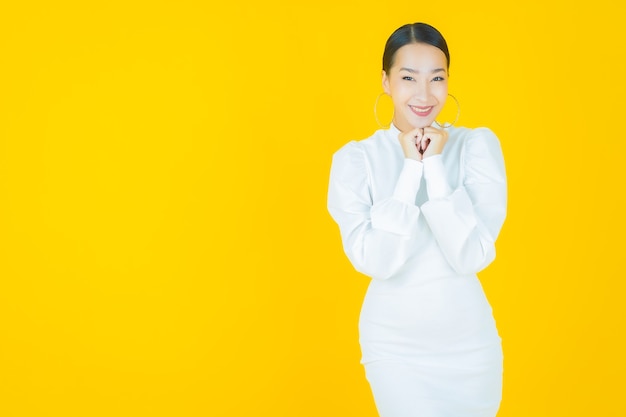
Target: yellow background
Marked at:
165, 248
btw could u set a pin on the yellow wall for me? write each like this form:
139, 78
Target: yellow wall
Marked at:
165, 248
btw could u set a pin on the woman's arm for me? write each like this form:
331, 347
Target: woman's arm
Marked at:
377, 237
467, 221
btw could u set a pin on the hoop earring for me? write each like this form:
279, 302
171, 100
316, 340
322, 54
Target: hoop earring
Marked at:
376, 113
458, 113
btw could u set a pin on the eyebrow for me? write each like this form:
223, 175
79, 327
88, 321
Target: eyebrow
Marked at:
412, 71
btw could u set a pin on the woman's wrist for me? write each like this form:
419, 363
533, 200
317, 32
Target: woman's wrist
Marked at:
409, 181
435, 176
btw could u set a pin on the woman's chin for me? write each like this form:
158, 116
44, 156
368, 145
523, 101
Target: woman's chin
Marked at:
406, 125
422, 124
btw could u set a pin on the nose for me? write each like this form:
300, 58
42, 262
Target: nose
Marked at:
422, 90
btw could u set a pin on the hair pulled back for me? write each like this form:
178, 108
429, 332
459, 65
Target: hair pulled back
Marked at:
413, 33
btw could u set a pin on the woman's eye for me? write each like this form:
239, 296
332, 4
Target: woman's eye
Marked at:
407, 78
438, 79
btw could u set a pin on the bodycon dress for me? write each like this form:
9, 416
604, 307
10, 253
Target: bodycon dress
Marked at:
421, 231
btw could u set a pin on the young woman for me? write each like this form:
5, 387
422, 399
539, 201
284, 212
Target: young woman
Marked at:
419, 207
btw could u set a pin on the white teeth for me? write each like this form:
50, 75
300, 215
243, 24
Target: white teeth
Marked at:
418, 110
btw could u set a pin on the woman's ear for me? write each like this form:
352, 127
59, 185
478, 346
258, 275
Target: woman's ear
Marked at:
385, 82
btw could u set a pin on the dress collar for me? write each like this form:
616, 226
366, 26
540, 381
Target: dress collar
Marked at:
393, 130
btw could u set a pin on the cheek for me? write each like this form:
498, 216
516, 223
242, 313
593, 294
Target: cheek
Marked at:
441, 92
400, 94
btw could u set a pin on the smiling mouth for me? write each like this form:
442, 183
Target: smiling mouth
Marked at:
421, 111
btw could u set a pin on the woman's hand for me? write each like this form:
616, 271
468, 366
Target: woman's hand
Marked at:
411, 142
421, 143
433, 141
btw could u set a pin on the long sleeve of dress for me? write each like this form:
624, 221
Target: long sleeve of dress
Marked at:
466, 222
376, 236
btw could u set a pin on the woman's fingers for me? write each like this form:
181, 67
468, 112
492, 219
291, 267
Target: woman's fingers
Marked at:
433, 141
420, 142
411, 143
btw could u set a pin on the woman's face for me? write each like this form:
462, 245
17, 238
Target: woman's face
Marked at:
418, 85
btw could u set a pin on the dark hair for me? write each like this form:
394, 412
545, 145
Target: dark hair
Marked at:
413, 33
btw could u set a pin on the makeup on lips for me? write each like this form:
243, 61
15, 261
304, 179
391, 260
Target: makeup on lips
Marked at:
421, 111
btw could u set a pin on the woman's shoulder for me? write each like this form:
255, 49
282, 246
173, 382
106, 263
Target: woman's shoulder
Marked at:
362, 146
480, 149
476, 139
349, 162
475, 133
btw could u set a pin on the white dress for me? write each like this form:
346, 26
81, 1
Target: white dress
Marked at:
421, 231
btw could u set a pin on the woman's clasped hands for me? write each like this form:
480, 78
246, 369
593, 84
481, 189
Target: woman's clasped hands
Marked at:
422, 142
